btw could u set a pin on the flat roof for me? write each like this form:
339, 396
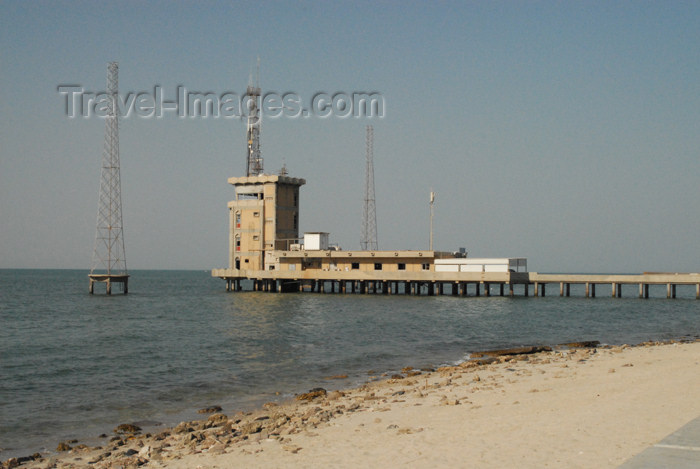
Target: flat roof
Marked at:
266, 178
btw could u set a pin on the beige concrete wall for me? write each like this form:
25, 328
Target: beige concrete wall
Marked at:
257, 225
366, 264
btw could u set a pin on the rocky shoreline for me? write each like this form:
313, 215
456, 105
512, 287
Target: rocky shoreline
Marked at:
280, 423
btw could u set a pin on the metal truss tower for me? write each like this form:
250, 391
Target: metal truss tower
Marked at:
369, 215
254, 160
109, 257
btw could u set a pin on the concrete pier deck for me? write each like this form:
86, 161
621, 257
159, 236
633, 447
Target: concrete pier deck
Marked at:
455, 283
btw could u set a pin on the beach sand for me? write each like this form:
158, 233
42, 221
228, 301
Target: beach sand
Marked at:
594, 407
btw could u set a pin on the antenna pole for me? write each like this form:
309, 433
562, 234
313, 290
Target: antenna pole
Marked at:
254, 158
432, 202
369, 219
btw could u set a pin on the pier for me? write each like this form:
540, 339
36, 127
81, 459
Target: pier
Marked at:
266, 251
456, 283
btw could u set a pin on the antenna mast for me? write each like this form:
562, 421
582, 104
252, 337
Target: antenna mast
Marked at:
432, 202
254, 160
369, 219
109, 257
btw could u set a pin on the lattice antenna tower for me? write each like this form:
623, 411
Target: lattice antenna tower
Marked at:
369, 215
254, 160
109, 257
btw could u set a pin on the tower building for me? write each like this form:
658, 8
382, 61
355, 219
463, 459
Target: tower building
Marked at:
264, 217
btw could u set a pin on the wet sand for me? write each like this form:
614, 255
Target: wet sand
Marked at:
587, 407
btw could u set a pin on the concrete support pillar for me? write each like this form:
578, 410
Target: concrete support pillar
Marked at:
431, 288
537, 289
543, 289
279, 286
487, 289
385, 288
501, 289
588, 289
568, 289
527, 287
511, 289
616, 290
478, 289
109, 287
697, 291
593, 290
671, 290
463, 288
561, 288
641, 290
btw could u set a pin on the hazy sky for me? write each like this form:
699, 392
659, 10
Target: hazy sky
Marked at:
564, 132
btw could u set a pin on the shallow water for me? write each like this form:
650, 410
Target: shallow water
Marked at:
75, 365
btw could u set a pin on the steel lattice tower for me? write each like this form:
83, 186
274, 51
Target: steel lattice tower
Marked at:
254, 160
109, 257
369, 215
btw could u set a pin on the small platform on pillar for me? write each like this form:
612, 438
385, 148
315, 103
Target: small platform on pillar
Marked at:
109, 279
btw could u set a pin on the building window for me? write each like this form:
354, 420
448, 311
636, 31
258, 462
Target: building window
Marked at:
256, 237
402, 266
426, 266
238, 263
378, 266
238, 243
355, 266
256, 214
238, 219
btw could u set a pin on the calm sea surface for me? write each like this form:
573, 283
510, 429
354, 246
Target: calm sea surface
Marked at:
74, 365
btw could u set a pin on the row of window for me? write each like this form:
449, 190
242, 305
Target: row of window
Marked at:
378, 266
269, 220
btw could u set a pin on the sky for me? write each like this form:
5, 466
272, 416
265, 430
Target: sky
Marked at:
564, 132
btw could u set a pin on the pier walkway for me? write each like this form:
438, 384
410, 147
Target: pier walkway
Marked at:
453, 283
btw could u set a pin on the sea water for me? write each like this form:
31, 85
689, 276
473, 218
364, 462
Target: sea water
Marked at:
75, 365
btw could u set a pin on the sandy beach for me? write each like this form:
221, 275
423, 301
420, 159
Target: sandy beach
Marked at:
578, 407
